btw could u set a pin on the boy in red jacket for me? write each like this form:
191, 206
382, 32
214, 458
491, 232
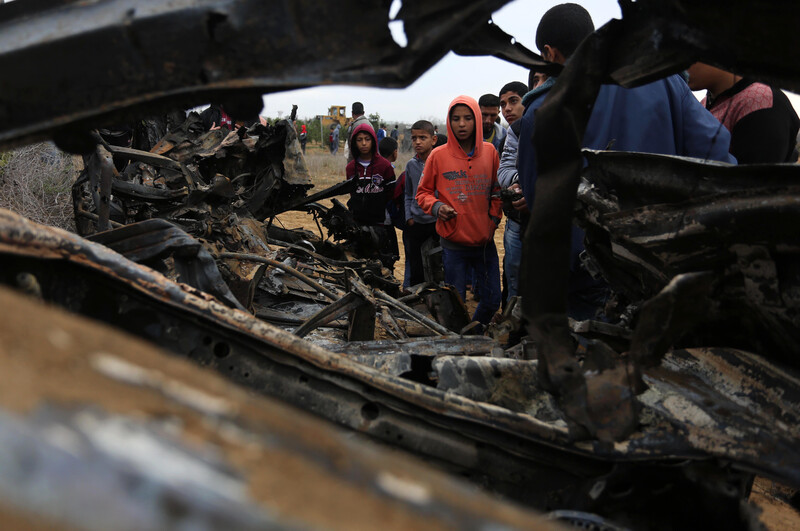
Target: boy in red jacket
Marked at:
459, 187
374, 186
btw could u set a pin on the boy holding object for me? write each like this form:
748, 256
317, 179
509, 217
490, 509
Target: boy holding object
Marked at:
459, 188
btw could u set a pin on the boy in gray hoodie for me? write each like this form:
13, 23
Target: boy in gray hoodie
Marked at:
419, 225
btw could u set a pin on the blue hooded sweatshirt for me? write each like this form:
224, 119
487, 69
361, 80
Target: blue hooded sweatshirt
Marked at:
662, 117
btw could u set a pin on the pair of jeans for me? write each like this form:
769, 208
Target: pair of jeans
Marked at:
512, 243
486, 265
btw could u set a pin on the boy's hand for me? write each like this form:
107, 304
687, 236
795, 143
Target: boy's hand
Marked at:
446, 212
519, 204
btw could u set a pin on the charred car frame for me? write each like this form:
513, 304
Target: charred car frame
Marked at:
656, 422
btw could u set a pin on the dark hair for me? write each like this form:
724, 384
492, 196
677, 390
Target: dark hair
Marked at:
564, 27
450, 113
532, 78
358, 108
423, 125
489, 100
515, 86
387, 146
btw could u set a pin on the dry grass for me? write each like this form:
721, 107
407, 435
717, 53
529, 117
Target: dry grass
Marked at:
36, 181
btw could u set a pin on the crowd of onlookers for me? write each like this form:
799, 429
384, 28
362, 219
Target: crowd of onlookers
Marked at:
451, 189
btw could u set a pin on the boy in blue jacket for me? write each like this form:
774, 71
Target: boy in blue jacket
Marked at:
662, 117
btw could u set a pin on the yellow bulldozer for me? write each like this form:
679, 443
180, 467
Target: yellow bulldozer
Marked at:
336, 115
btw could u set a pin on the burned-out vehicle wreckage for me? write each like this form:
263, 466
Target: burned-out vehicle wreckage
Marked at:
111, 414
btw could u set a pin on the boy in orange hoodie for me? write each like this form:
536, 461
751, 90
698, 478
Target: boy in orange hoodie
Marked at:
459, 187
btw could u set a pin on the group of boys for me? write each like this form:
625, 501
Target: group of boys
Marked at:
450, 193
453, 192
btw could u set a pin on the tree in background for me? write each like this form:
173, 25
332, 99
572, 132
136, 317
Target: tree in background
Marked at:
375, 120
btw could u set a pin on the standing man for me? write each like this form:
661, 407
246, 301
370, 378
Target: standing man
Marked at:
381, 133
762, 122
493, 132
395, 132
661, 117
334, 140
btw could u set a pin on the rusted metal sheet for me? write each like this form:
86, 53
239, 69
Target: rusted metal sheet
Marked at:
179, 54
459, 432
142, 440
658, 38
653, 222
154, 241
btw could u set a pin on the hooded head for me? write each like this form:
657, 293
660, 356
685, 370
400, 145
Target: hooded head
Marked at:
363, 128
303, 129
464, 103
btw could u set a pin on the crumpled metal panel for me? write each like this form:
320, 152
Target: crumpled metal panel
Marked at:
508, 383
661, 37
511, 452
155, 239
696, 397
126, 55
17, 235
701, 390
651, 218
142, 440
